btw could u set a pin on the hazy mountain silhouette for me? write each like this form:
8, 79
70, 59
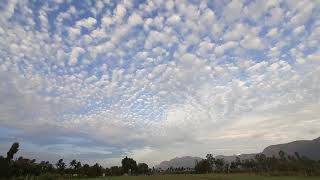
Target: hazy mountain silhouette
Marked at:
233, 157
308, 148
186, 161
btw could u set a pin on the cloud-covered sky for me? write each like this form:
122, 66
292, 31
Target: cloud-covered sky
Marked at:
99, 80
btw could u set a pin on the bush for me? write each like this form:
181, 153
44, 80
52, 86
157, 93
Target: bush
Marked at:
49, 176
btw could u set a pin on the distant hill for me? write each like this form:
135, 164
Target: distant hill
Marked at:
186, 161
233, 157
308, 148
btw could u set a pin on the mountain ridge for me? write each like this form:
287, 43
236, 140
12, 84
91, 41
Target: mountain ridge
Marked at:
184, 161
307, 148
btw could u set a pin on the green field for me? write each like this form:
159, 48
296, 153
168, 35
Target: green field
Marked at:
205, 177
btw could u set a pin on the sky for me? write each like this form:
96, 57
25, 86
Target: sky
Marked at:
99, 80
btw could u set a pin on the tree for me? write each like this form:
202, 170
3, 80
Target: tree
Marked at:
95, 170
235, 165
238, 161
13, 150
297, 155
5, 163
45, 167
282, 155
115, 171
75, 166
261, 160
85, 169
211, 160
203, 166
129, 165
61, 166
143, 168
219, 164
24, 166
227, 168
4, 167
248, 165
78, 167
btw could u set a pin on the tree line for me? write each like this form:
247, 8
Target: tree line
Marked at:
23, 167
283, 164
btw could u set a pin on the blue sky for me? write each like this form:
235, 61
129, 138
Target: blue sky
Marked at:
100, 80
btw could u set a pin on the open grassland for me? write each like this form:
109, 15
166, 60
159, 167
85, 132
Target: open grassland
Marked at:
205, 177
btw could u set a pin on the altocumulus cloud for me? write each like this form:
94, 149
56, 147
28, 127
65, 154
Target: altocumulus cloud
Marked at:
157, 79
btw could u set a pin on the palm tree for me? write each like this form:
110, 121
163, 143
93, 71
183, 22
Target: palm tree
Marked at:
14, 149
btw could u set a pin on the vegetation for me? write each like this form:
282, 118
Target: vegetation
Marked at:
205, 177
23, 167
293, 165
261, 164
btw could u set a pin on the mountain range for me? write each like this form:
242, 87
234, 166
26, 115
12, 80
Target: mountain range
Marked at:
186, 162
308, 148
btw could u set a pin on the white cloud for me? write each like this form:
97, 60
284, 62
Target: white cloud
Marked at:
76, 51
252, 42
173, 20
74, 32
302, 14
224, 47
233, 10
87, 23
314, 57
256, 9
273, 33
44, 20
135, 19
10, 9
208, 17
276, 16
205, 49
106, 21
235, 32
299, 30
120, 12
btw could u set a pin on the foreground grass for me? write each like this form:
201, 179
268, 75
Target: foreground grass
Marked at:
205, 177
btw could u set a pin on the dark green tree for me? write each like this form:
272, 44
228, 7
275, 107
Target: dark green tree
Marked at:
46, 167
282, 155
61, 166
261, 162
13, 150
78, 167
24, 166
116, 171
219, 164
203, 166
73, 165
211, 160
96, 170
129, 165
5, 163
85, 169
4, 167
143, 168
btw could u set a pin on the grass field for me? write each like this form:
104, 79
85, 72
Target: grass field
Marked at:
205, 177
